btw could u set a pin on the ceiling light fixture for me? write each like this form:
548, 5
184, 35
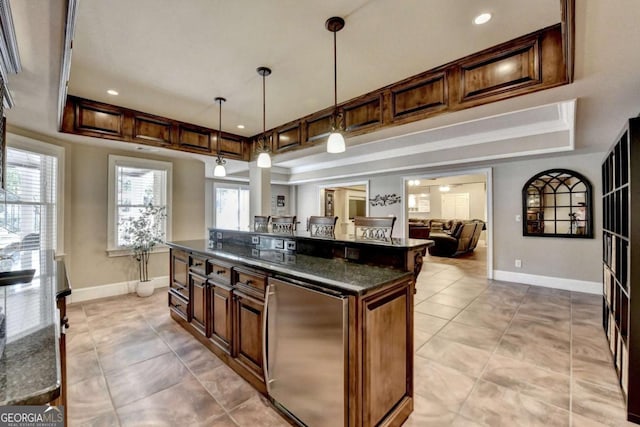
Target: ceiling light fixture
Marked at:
483, 18
240, 126
335, 143
264, 160
112, 92
219, 170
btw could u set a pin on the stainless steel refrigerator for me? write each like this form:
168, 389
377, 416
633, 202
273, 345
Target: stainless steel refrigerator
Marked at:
306, 352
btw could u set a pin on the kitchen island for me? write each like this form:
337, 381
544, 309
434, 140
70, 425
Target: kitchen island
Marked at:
323, 327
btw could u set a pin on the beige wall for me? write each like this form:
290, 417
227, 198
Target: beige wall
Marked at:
85, 212
86, 249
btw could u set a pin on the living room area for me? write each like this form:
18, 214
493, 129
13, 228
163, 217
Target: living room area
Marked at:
451, 210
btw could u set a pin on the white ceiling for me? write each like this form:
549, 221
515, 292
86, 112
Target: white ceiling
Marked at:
173, 58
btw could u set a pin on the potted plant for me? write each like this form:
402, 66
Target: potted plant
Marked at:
141, 235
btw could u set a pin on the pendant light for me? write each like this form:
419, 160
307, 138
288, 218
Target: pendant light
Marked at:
335, 143
219, 170
264, 160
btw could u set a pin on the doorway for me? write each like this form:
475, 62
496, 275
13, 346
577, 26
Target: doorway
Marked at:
439, 198
346, 201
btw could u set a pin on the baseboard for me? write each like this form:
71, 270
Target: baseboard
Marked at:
112, 289
549, 282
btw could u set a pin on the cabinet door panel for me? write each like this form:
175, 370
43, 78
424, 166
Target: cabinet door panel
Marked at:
248, 332
199, 303
221, 316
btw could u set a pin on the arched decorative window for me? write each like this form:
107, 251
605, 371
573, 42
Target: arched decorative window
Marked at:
557, 203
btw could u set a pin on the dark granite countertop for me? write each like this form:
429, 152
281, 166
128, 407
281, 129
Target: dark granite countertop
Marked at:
335, 274
30, 371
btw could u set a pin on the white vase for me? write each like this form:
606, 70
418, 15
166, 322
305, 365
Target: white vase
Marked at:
144, 289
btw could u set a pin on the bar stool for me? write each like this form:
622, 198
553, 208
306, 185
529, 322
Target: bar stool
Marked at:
283, 224
261, 223
374, 228
322, 226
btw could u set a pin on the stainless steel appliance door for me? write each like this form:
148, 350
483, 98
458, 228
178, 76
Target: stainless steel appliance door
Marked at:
307, 337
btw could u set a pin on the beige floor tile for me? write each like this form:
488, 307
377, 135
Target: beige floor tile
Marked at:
427, 414
184, 404
594, 347
79, 343
581, 298
528, 379
199, 359
482, 338
464, 358
541, 335
114, 357
536, 352
88, 399
492, 405
429, 324
599, 372
451, 300
145, 378
256, 412
228, 388
85, 365
107, 419
420, 338
598, 403
483, 306
442, 389
489, 320
438, 310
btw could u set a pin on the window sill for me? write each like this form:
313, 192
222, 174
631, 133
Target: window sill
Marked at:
117, 252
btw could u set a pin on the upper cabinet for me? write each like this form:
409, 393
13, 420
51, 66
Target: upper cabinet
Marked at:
557, 203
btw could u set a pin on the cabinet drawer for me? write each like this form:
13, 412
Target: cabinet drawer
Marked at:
179, 289
177, 253
198, 265
178, 305
251, 282
219, 272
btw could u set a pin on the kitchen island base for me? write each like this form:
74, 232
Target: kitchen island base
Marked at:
232, 305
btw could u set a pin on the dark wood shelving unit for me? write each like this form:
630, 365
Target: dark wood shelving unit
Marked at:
620, 234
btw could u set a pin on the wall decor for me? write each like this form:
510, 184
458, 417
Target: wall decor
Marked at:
557, 203
385, 200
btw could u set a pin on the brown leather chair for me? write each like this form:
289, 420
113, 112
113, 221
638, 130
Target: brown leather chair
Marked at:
283, 224
261, 223
374, 227
462, 239
322, 226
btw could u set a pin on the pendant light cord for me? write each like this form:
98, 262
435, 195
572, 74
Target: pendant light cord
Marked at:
219, 125
264, 110
335, 73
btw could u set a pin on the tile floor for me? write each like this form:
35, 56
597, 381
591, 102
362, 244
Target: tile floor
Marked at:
487, 354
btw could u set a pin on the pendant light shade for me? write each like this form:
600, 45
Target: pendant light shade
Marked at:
219, 170
335, 143
264, 160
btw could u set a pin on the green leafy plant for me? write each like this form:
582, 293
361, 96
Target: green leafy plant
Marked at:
142, 234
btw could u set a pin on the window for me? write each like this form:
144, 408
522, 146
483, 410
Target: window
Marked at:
232, 206
133, 184
31, 217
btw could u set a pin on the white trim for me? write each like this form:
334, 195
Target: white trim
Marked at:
29, 144
135, 162
549, 282
128, 252
112, 289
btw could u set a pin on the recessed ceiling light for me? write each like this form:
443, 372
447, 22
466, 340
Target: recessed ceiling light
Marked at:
483, 18
240, 126
112, 92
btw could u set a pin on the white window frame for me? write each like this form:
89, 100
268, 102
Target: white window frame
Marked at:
135, 162
28, 144
232, 185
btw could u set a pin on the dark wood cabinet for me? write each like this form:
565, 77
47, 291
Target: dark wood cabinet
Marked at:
179, 274
621, 252
247, 337
199, 299
220, 316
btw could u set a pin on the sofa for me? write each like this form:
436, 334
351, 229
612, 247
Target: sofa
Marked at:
421, 228
460, 239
